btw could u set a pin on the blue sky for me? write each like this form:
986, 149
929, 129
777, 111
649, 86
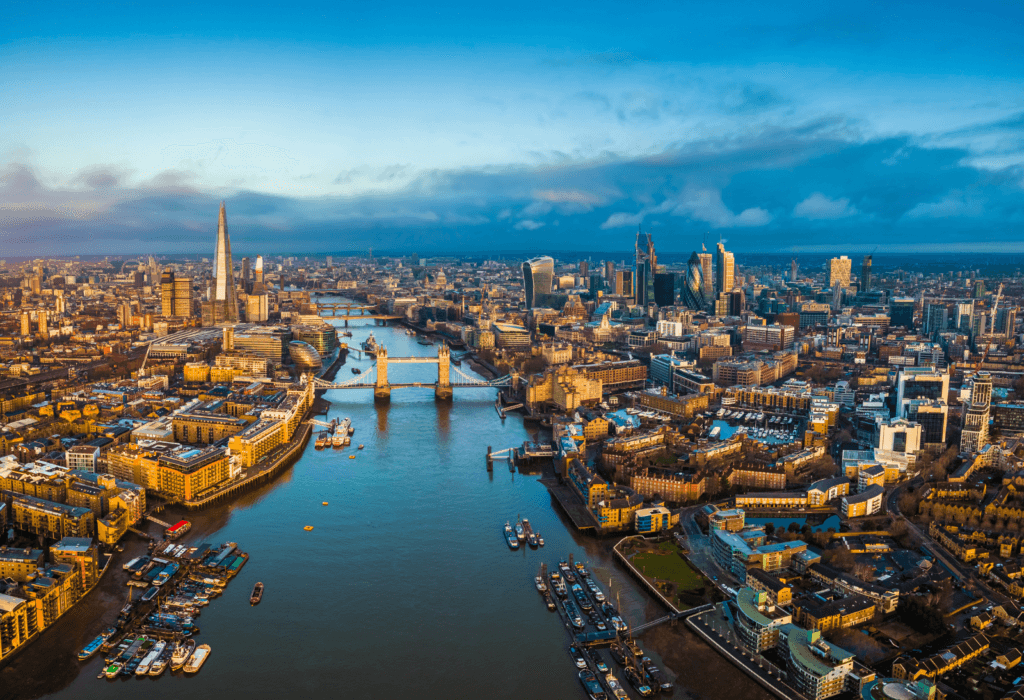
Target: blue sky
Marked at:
534, 126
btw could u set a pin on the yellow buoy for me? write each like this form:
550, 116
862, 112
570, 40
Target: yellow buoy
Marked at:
308, 528
351, 456
325, 502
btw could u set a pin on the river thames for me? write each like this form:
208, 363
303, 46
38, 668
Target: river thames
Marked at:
404, 588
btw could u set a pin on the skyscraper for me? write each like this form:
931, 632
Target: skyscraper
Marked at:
865, 274
584, 269
707, 269
693, 289
224, 303
609, 275
974, 434
936, 318
794, 270
901, 313
726, 273
646, 266
257, 306
246, 276
537, 277
664, 288
839, 271
175, 294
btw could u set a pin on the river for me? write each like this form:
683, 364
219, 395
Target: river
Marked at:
404, 588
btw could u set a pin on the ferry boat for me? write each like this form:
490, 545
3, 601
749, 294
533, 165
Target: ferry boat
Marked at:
91, 648
592, 686
177, 530
182, 652
199, 657
510, 537
257, 593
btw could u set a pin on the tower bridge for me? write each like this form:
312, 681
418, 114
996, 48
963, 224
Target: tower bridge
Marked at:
449, 377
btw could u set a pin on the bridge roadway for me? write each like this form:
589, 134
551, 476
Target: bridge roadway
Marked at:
407, 385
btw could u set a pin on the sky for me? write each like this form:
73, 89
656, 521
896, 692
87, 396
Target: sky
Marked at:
470, 127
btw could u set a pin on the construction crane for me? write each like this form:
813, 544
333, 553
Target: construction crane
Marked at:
142, 368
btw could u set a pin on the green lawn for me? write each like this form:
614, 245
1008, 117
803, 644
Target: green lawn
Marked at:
668, 566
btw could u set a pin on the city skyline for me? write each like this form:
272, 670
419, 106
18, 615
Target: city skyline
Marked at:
402, 129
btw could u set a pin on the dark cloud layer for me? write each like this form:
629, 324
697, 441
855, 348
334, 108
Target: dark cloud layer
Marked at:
816, 186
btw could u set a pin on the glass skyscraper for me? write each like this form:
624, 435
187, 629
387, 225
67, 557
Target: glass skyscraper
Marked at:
693, 288
537, 276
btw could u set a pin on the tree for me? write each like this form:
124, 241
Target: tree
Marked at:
769, 529
535, 365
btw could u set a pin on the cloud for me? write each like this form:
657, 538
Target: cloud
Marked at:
621, 219
528, 225
818, 206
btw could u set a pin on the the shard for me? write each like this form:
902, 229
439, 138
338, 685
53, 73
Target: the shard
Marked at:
224, 303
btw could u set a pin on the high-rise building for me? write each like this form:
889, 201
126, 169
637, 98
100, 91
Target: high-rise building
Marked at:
693, 287
223, 302
664, 288
584, 269
246, 276
609, 275
974, 434
707, 269
26, 325
725, 275
646, 267
175, 294
624, 283
901, 313
1006, 321
538, 274
936, 318
865, 274
839, 271
794, 270
963, 317
258, 272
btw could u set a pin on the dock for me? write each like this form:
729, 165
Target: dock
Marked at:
582, 519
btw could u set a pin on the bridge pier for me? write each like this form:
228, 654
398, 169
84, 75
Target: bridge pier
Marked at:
382, 393
442, 392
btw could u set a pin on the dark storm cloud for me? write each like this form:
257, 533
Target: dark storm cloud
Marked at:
817, 185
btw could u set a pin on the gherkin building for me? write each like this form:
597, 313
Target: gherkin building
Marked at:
693, 290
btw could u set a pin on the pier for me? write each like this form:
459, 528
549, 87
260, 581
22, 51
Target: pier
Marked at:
581, 517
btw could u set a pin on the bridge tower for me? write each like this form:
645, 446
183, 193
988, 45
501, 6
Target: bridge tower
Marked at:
443, 388
382, 390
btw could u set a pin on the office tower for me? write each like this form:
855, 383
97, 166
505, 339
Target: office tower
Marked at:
154, 271
258, 272
936, 318
979, 325
330, 261
609, 275
901, 313
963, 317
737, 302
865, 274
693, 287
974, 434
26, 325
707, 269
839, 271
167, 292
246, 276
1006, 321
538, 274
43, 328
932, 416
646, 266
664, 288
224, 304
624, 283
837, 296
794, 270
725, 274
35, 284
124, 315
584, 269
920, 383
257, 303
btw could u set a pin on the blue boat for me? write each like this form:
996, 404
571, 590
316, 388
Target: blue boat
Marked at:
510, 537
91, 648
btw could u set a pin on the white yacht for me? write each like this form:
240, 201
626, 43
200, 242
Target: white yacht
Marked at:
199, 657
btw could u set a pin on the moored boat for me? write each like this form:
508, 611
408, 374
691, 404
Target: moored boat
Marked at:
111, 670
541, 586
257, 593
591, 685
510, 537
182, 652
199, 657
91, 648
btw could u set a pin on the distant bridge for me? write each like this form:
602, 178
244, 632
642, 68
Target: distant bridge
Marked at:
376, 377
349, 311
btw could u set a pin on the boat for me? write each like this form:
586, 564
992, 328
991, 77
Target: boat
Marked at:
541, 586
322, 438
638, 682
177, 530
550, 602
351, 456
308, 528
558, 584
573, 614
149, 659
199, 657
360, 447
111, 670
424, 341
574, 652
618, 692
657, 676
257, 593
338, 440
581, 570
150, 594
130, 565
599, 663
356, 370
540, 540
591, 685
91, 648
510, 537
520, 533
160, 665
182, 652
